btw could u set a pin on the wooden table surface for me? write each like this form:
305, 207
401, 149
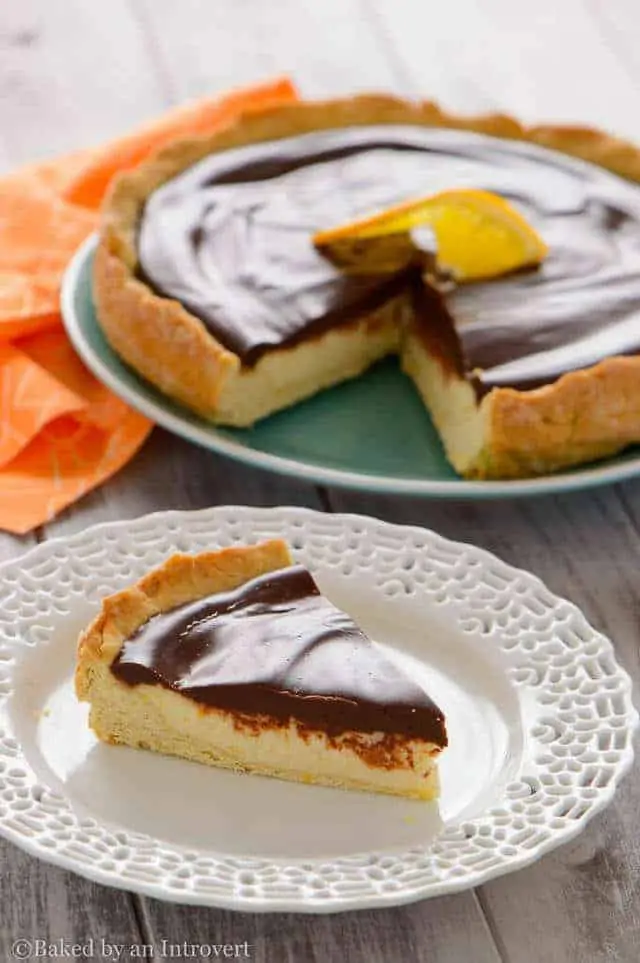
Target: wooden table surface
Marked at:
74, 73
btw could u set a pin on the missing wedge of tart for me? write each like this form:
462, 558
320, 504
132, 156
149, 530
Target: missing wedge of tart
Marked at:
235, 659
208, 283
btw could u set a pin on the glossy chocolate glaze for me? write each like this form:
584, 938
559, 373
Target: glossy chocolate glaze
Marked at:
277, 647
231, 239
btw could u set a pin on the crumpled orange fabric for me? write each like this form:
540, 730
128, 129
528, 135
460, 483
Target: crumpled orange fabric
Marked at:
61, 431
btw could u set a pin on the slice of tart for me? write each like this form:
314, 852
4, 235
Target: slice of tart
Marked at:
235, 659
207, 281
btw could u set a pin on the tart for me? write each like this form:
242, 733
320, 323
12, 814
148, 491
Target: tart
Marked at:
235, 659
208, 284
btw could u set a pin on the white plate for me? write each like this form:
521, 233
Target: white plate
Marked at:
539, 715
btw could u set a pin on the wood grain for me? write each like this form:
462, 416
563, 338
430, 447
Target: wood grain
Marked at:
170, 473
618, 25
72, 74
41, 902
327, 47
544, 62
76, 73
446, 930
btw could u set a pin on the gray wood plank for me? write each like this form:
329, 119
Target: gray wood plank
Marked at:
582, 901
40, 902
544, 62
449, 929
326, 47
71, 74
619, 26
169, 472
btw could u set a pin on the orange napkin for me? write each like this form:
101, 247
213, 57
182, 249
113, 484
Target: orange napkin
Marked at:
61, 431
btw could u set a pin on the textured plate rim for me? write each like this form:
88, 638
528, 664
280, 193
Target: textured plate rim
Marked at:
208, 437
343, 903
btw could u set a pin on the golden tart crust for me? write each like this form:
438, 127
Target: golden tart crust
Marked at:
179, 580
583, 415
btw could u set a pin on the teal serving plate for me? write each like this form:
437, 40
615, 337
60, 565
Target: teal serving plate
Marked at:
371, 434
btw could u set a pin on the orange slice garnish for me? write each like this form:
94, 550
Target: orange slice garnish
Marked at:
478, 235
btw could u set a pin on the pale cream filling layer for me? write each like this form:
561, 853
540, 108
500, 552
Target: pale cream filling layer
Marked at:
451, 401
158, 719
285, 376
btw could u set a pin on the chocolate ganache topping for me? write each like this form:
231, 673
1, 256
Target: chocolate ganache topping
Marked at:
276, 646
230, 238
